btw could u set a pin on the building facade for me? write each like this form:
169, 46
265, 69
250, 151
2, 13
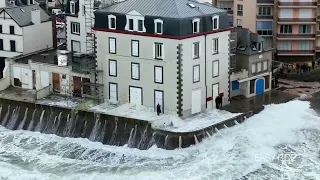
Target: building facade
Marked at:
21, 25
253, 72
178, 57
289, 26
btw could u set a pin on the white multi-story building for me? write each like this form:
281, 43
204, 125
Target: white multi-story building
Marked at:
169, 52
23, 29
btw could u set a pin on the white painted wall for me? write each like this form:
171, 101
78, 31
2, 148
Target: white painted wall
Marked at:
6, 36
205, 61
25, 76
147, 63
83, 31
37, 37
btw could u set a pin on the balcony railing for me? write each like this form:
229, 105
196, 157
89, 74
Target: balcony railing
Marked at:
297, 4
296, 19
265, 1
295, 51
296, 35
264, 16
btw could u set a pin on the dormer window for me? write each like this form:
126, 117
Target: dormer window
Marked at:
241, 47
253, 47
130, 24
196, 26
135, 22
259, 45
112, 21
215, 22
158, 26
140, 25
72, 7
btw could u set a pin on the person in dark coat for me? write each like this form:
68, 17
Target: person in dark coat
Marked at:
218, 101
298, 68
158, 109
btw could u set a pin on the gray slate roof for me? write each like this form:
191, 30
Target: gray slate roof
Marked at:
247, 38
163, 8
24, 18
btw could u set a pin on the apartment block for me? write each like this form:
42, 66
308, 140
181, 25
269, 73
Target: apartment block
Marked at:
291, 27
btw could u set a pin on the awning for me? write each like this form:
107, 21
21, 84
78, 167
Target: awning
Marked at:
254, 77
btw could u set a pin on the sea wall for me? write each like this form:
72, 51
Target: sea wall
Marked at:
107, 129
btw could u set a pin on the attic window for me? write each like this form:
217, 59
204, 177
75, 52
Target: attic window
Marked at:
241, 47
72, 7
259, 47
191, 5
23, 10
215, 22
253, 47
112, 21
196, 26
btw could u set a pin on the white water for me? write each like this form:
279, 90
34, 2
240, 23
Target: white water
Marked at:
252, 149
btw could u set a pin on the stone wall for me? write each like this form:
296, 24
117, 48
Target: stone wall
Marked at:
107, 129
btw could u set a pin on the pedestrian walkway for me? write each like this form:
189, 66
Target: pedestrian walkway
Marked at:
240, 104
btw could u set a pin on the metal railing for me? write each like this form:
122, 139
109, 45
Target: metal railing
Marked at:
265, 1
297, 3
264, 16
295, 51
296, 19
296, 36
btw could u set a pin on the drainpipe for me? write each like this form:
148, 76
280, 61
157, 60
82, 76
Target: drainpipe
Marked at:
205, 69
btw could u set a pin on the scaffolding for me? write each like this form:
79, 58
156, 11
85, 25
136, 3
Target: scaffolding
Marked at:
232, 50
87, 63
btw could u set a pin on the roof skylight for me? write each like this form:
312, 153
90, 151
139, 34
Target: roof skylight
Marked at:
191, 5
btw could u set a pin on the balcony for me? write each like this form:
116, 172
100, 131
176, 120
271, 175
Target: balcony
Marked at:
265, 17
318, 49
297, 4
265, 1
296, 36
238, 75
297, 21
296, 52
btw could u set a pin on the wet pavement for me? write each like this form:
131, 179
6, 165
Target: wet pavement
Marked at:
240, 104
18, 94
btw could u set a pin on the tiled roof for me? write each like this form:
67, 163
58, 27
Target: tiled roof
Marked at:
164, 8
22, 14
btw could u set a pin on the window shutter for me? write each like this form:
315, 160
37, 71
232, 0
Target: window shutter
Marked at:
135, 71
216, 68
259, 67
253, 68
158, 74
265, 65
113, 68
135, 48
196, 71
112, 44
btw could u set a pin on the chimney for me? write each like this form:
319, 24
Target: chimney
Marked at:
54, 31
3, 3
35, 16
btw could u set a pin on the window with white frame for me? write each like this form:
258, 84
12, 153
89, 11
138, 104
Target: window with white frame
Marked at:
158, 74
158, 26
75, 28
135, 71
196, 50
135, 48
112, 68
196, 73
239, 22
259, 47
112, 21
196, 26
215, 46
215, 68
265, 65
135, 22
72, 7
259, 67
253, 68
158, 51
215, 22
112, 45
